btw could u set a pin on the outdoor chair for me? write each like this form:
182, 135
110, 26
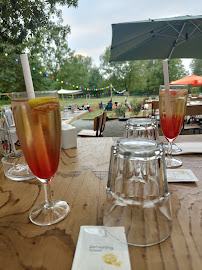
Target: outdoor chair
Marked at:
191, 122
99, 126
9, 138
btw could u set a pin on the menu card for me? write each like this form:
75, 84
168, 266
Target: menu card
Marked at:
97, 249
180, 175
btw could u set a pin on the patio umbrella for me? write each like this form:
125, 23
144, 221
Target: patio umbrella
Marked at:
178, 37
192, 79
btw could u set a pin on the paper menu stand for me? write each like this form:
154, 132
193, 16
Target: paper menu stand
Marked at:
97, 249
69, 136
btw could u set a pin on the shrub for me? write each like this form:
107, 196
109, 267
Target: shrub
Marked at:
120, 109
136, 107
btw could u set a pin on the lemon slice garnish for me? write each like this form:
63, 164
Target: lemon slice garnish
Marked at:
109, 258
41, 100
118, 263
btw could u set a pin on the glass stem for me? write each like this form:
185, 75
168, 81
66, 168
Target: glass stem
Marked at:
170, 148
48, 196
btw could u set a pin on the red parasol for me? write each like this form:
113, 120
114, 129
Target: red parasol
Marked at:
192, 79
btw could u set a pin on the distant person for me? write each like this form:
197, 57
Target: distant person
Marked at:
87, 106
100, 105
109, 106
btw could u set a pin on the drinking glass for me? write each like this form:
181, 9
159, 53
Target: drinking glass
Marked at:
138, 198
141, 128
172, 107
38, 125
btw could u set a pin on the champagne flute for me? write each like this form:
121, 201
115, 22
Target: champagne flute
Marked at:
172, 106
38, 125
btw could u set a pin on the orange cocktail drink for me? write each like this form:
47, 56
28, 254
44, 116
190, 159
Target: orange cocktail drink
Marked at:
38, 125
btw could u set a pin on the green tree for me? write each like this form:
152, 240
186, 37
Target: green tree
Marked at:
75, 70
11, 74
21, 20
139, 77
94, 78
35, 27
196, 67
153, 70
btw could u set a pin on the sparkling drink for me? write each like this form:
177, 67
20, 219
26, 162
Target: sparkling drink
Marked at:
171, 124
38, 124
172, 107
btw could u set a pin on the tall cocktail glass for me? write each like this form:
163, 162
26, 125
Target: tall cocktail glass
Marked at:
38, 125
172, 107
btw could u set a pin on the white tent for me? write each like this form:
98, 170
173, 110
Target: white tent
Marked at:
69, 92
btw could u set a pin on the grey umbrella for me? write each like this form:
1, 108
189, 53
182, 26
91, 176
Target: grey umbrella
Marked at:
178, 37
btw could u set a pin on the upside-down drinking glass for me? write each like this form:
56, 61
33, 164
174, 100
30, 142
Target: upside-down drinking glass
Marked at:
138, 198
172, 107
38, 125
141, 128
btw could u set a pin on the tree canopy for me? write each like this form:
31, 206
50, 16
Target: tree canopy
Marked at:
36, 27
21, 20
140, 75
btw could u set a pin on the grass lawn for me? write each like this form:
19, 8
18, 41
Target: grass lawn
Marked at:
105, 100
91, 102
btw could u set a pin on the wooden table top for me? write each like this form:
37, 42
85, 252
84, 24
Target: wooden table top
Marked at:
81, 181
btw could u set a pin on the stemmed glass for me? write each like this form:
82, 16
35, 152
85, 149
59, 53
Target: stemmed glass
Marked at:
172, 107
38, 125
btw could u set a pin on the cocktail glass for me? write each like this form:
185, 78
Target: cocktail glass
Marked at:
38, 125
172, 107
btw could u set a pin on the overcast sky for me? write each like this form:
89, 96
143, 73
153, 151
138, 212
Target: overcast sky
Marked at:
91, 22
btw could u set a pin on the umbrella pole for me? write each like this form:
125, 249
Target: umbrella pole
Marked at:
111, 91
192, 90
63, 101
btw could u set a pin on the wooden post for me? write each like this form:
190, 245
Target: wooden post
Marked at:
111, 90
63, 100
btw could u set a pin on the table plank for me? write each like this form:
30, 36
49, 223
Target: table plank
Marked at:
81, 181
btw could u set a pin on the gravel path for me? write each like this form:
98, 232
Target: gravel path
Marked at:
113, 128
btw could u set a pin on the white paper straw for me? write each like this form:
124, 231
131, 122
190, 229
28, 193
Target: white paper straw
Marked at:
167, 87
166, 74
27, 76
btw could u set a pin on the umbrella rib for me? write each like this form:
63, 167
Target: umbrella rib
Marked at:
196, 27
166, 27
167, 36
186, 40
179, 34
146, 40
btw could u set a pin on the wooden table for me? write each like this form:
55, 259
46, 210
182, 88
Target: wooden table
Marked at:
81, 181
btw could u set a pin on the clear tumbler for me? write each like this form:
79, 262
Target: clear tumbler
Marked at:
137, 192
141, 128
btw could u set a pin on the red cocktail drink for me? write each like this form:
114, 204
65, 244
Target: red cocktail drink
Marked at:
172, 106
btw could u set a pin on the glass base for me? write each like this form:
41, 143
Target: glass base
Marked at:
142, 243
44, 215
173, 162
